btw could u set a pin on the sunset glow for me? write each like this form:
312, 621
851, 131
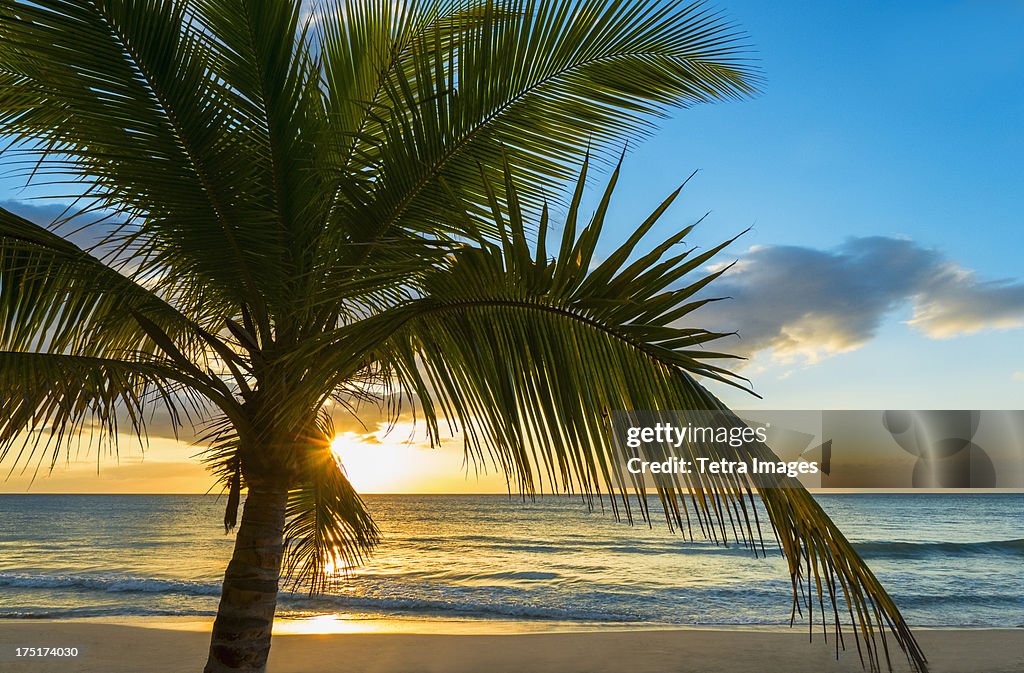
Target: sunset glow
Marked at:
370, 467
401, 461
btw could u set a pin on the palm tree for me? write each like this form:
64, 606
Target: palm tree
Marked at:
300, 211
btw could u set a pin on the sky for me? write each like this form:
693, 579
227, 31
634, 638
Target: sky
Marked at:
880, 171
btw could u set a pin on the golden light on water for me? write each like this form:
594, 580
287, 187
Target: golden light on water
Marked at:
335, 566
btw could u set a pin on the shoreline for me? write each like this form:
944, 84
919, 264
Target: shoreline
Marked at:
360, 623
168, 645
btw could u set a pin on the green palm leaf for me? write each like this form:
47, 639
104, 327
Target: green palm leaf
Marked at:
77, 400
529, 356
329, 530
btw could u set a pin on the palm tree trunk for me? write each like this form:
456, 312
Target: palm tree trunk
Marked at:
245, 617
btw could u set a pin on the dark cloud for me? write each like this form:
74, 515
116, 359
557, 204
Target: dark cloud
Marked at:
805, 303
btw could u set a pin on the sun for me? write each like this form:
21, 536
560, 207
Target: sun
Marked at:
372, 466
401, 460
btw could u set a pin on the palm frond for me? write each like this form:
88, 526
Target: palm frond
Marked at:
515, 345
265, 53
540, 82
529, 356
128, 108
83, 344
52, 402
58, 297
329, 530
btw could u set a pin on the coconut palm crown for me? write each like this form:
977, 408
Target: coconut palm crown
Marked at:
300, 209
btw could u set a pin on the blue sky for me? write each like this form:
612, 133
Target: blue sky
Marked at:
885, 123
875, 117
894, 120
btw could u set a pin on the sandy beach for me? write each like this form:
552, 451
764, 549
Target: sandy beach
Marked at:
127, 648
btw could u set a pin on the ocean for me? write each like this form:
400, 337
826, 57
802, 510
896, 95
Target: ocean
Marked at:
948, 560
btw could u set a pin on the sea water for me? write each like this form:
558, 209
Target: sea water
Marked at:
948, 560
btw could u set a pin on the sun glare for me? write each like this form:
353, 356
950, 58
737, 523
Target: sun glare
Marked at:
401, 461
374, 466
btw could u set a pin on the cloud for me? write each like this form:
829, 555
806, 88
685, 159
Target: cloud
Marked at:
806, 304
84, 232
958, 303
44, 214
